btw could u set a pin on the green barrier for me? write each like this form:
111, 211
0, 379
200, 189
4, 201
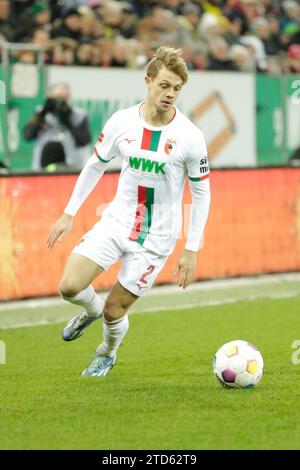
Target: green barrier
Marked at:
277, 118
25, 90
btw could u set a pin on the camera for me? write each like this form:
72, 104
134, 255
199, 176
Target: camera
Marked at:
60, 105
55, 105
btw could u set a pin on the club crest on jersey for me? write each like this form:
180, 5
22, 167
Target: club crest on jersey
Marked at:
170, 146
101, 137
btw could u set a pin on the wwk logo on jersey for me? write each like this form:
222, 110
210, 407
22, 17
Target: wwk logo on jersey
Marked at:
146, 165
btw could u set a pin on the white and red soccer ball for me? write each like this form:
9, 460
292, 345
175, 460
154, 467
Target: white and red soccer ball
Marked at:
238, 364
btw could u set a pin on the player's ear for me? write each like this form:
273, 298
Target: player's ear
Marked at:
147, 80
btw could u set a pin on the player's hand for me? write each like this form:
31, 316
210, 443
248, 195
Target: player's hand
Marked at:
186, 267
60, 229
64, 113
49, 107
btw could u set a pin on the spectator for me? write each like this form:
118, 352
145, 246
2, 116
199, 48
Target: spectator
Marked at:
241, 58
69, 26
61, 132
68, 55
173, 5
42, 39
26, 57
262, 29
105, 48
234, 28
187, 53
190, 20
158, 25
250, 9
128, 22
275, 32
293, 60
96, 55
84, 54
111, 12
17, 7
41, 16
219, 56
199, 57
293, 13
143, 7
258, 49
37, 16
212, 26
6, 28
87, 25
290, 23
137, 56
233, 10
63, 51
119, 53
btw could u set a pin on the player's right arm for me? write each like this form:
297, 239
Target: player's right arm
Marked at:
104, 151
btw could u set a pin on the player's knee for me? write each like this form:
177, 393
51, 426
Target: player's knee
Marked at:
68, 289
113, 310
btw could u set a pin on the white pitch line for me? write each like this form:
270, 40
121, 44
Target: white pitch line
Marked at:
165, 290
205, 303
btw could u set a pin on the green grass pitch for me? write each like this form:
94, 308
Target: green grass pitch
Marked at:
162, 393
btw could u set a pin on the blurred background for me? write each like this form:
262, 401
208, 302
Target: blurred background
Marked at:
67, 65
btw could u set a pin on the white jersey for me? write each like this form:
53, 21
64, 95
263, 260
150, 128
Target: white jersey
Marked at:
155, 162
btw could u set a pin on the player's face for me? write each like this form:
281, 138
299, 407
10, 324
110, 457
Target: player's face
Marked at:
164, 89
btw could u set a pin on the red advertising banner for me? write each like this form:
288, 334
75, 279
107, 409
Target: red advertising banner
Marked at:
253, 228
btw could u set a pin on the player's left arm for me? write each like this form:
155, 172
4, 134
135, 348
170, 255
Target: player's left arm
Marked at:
197, 168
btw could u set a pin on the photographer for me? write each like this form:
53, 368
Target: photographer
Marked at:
62, 132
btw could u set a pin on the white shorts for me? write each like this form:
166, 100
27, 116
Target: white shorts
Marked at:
105, 246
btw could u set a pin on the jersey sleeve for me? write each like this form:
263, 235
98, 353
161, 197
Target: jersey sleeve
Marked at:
87, 180
200, 191
105, 149
197, 165
197, 168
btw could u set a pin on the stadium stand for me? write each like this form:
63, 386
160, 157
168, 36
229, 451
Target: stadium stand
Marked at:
241, 35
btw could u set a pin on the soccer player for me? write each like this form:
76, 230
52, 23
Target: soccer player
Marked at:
159, 147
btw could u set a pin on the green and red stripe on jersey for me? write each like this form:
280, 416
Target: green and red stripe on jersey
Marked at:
199, 178
98, 156
143, 215
150, 140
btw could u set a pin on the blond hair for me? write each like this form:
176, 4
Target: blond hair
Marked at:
170, 58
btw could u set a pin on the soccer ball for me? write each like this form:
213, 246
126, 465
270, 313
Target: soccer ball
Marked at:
238, 364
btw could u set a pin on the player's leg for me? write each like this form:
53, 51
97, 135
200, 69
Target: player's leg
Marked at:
95, 253
115, 326
115, 319
75, 285
76, 288
137, 275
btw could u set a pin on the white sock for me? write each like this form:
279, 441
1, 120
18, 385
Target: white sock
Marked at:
88, 299
113, 334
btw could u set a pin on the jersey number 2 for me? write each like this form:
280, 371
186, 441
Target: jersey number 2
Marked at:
149, 271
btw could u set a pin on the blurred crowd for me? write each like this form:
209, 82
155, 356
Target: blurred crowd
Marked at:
234, 35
